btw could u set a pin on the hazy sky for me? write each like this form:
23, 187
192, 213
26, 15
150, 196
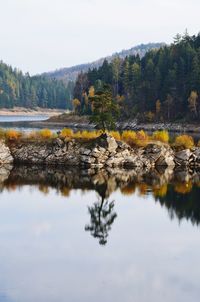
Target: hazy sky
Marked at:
42, 35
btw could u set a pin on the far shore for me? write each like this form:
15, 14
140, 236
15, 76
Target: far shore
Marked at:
31, 112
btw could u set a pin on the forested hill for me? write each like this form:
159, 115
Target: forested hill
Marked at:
164, 85
17, 89
71, 73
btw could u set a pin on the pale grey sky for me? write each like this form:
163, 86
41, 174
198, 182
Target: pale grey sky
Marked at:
42, 35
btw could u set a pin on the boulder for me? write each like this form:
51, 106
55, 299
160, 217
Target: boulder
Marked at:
159, 154
5, 154
182, 157
107, 142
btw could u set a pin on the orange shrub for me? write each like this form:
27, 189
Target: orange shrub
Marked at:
129, 136
13, 134
45, 133
162, 136
185, 141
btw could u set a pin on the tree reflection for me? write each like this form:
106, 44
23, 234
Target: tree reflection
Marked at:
102, 216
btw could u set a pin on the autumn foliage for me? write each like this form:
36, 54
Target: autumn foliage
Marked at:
162, 136
184, 141
12, 134
45, 133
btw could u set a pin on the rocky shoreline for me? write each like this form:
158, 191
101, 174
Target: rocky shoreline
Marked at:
102, 152
82, 122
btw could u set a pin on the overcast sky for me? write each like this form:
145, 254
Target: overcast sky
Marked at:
43, 35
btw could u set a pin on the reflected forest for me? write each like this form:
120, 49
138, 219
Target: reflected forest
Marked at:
177, 192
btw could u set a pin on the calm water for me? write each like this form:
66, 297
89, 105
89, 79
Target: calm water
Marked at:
23, 122
22, 118
80, 236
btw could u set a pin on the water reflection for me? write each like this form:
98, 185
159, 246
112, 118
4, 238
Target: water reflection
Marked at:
177, 191
102, 216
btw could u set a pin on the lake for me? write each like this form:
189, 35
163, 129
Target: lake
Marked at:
71, 235
24, 122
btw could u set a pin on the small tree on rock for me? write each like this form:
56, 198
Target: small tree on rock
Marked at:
104, 110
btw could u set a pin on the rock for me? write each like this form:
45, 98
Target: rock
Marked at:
108, 142
5, 154
115, 162
85, 151
132, 162
87, 159
159, 154
182, 157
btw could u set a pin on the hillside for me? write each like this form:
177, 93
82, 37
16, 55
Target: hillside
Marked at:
71, 73
22, 90
163, 85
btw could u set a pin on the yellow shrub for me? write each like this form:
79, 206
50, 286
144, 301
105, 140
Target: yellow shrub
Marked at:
66, 133
162, 136
185, 141
129, 136
45, 133
142, 138
86, 135
116, 135
13, 134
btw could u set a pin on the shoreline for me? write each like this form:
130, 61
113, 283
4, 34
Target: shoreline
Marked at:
16, 111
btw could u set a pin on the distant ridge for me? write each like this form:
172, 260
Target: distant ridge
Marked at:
70, 73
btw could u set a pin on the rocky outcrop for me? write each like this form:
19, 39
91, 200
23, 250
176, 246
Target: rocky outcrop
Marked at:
5, 154
104, 151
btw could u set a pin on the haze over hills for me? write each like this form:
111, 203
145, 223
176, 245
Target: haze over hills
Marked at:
70, 73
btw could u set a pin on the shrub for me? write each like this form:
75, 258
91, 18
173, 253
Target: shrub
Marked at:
129, 136
13, 134
2, 133
142, 138
66, 133
116, 135
45, 134
185, 141
162, 136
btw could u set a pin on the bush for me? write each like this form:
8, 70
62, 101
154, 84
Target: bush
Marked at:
185, 141
66, 133
142, 138
162, 136
116, 135
13, 134
2, 133
45, 134
129, 137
